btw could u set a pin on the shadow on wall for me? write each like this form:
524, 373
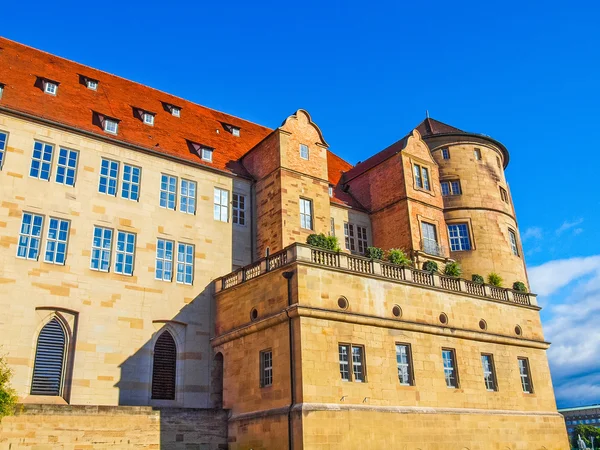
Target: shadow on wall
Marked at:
176, 372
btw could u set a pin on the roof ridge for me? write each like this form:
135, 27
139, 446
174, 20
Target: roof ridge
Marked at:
131, 81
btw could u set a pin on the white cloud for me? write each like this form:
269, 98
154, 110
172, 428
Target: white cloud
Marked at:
551, 276
532, 233
567, 225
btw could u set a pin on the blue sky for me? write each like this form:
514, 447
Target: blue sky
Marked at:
524, 73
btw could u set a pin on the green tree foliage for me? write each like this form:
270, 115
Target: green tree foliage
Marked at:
398, 256
322, 241
494, 279
374, 253
8, 399
586, 432
453, 269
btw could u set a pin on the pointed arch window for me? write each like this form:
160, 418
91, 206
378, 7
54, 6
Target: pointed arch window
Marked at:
164, 368
50, 355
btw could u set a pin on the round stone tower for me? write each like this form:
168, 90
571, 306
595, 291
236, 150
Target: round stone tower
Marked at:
478, 209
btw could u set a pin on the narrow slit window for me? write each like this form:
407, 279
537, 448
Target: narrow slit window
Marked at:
477, 154
266, 368
41, 161
56, 241
445, 153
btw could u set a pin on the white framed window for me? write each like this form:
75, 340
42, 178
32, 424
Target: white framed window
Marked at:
459, 237
513, 242
50, 87
66, 168
30, 236
306, 214
175, 111
450, 372
451, 188
130, 186
331, 227
238, 209
349, 236
421, 177
91, 84
1, 90
3, 141
430, 243
266, 368
525, 375
357, 372
125, 253
445, 153
330, 190
477, 154
221, 205
207, 154
404, 364
109, 171
111, 126
489, 372
148, 118
41, 161
56, 241
101, 248
304, 151
235, 131
168, 191
187, 196
361, 239
185, 263
163, 268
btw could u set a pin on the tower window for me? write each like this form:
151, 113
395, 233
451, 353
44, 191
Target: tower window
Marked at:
50, 353
445, 153
451, 188
477, 153
525, 375
513, 242
459, 237
303, 151
489, 372
450, 370
503, 194
266, 368
164, 368
498, 162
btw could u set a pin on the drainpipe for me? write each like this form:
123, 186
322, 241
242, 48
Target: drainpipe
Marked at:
288, 276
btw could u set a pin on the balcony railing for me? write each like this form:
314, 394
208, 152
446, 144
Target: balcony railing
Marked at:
433, 248
370, 267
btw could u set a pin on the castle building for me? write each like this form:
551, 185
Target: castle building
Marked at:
158, 292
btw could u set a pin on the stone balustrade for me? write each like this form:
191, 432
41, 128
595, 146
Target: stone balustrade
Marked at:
370, 267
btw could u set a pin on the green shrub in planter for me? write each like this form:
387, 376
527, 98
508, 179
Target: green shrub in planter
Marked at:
519, 286
494, 279
398, 257
430, 266
453, 269
374, 253
475, 278
322, 241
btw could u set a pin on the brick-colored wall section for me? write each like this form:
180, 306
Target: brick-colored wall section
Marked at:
268, 213
46, 427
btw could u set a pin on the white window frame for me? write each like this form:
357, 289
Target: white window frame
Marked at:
238, 209
124, 248
1, 90
58, 237
91, 84
362, 241
512, 235
330, 190
450, 369
489, 372
162, 257
50, 87
349, 236
65, 167
221, 205
108, 177
477, 153
306, 214
45, 165
404, 364
128, 182
104, 249
352, 363
30, 236
525, 375
445, 153
185, 186
175, 111
168, 190
148, 118
185, 260
304, 150
3, 144
462, 232
235, 131
111, 126
206, 154
266, 368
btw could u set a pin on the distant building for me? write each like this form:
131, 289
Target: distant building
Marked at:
581, 415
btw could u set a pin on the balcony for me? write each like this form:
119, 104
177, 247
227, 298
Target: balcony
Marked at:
372, 268
433, 248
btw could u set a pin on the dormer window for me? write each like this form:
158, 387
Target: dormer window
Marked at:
1, 90
91, 84
235, 131
175, 111
111, 126
206, 154
148, 118
50, 87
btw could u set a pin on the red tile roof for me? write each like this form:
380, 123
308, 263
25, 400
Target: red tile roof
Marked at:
376, 159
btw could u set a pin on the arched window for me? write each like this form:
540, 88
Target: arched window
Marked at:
50, 352
216, 382
164, 368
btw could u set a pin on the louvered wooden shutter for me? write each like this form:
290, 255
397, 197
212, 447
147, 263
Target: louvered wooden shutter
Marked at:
164, 368
49, 360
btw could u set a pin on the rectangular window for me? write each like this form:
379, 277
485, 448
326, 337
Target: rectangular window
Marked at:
56, 241
1, 90
344, 351
445, 153
91, 84
459, 237
130, 187
41, 161
148, 118
477, 154
404, 364
425, 173
235, 131
418, 180
168, 188
266, 368
349, 236
30, 236
221, 206
525, 376
357, 373
187, 197
111, 126
489, 373
513, 242
109, 171
66, 167
451, 188
101, 247
185, 263
331, 227
176, 111
303, 151
503, 195
306, 214
498, 163
330, 190
164, 260
358, 369
3, 140
50, 88
430, 244
207, 154
125, 253
361, 239
238, 209
450, 372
